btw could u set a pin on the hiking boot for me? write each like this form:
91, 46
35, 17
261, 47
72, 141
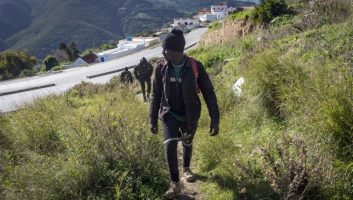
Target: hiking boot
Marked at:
173, 191
188, 175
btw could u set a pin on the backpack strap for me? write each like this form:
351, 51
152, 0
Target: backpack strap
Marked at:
195, 69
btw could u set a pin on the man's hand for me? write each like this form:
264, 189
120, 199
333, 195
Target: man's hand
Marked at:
154, 129
214, 130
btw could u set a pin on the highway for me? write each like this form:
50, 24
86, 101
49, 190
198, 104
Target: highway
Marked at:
13, 93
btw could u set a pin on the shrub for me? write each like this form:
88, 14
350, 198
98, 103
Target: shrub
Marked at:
50, 62
323, 12
291, 173
28, 72
13, 63
270, 9
215, 26
58, 68
90, 145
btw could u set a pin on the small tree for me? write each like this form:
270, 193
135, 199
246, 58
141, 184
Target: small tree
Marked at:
270, 9
74, 51
61, 56
13, 63
64, 48
50, 62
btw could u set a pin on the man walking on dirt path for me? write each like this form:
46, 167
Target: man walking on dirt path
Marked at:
176, 102
143, 72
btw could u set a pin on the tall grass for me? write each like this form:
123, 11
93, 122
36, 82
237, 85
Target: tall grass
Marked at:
87, 144
296, 86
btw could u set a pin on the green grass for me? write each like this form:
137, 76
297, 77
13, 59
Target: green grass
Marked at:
292, 126
242, 15
88, 143
215, 26
298, 87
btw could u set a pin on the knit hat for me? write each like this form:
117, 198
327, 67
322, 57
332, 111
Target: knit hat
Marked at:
174, 41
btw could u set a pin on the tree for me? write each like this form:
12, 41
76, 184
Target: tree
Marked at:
74, 51
61, 56
64, 48
269, 9
50, 62
13, 63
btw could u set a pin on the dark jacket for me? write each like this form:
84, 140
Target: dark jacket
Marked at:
143, 70
161, 93
126, 77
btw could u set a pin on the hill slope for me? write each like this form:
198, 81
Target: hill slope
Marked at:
39, 26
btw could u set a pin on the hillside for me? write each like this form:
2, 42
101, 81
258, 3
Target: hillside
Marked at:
15, 15
40, 25
287, 135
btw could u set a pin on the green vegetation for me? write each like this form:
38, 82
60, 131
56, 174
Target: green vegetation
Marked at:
242, 15
86, 144
270, 9
50, 62
103, 47
88, 24
287, 136
215, 26
15, 64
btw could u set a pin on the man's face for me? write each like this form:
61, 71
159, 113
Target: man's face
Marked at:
168, 54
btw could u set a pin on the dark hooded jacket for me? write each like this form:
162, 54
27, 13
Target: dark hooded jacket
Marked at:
143, 70
161, 93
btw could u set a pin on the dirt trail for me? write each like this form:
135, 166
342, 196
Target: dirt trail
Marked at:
190, 191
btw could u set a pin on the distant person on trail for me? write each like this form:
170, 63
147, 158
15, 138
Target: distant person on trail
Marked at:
175, 100
143, 72
126, 77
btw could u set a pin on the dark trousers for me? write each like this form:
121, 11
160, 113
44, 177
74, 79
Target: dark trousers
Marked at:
173, 131
144, 81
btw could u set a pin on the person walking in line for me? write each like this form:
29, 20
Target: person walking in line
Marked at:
175, 100
143, 72
126, 77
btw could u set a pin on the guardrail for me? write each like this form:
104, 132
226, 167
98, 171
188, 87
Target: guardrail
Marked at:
109, 72
27, 89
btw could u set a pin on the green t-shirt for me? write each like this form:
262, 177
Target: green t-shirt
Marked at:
177, 70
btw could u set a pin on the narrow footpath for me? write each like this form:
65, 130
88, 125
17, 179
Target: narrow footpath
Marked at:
189, 191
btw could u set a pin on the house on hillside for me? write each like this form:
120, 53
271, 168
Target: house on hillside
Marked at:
127, 46
217, 12
186, 23
148, 41
208, 17
90, 58
220, 10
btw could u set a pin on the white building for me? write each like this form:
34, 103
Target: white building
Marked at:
221, 11
149, 41
126, 47
188, 23
208, 17
123, 49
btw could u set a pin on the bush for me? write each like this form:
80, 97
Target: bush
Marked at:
323, 12
215, 26
58, 68
13, 63
270, 9
90, 145
50, 62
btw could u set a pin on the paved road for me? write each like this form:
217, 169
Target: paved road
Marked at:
66, 79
